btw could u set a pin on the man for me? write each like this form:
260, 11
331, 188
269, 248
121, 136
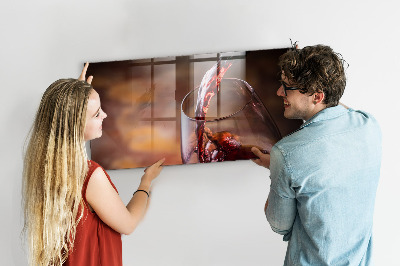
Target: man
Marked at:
325, 174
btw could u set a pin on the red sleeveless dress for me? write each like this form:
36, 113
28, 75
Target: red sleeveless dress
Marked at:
95, 242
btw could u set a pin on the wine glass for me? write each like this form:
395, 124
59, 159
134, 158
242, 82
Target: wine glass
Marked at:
235, 121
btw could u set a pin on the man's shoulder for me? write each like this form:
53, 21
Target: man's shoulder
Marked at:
317, 131
361, 122
292, 142
364, 116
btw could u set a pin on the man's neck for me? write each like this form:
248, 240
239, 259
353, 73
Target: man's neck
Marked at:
318, 108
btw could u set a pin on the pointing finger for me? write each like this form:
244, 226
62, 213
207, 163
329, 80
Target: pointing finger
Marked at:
83, 74
256, 151
156, 164
160, 162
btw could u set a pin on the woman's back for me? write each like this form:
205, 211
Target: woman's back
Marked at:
95, 242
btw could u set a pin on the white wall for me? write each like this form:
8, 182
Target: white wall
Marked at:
198, 215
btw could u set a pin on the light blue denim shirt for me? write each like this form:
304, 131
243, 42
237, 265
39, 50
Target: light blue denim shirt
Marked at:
323, 183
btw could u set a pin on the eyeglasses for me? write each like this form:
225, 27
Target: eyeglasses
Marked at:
286, 88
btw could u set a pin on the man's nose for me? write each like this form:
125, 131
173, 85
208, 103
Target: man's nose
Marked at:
280, 91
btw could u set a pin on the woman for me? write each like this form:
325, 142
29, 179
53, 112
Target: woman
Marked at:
73, 213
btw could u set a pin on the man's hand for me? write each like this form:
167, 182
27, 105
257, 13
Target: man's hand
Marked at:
83, 74
263, 159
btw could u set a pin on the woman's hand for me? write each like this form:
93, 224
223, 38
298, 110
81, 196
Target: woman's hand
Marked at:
83, 74
151, 172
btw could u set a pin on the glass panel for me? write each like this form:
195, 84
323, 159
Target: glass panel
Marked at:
237, 69
166, 143
164, 91
200, 69
138, 138
197, 56
140, 61
227, 54
140, 85
137, 144
160, 59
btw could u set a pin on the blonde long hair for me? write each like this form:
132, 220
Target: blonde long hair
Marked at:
55, 167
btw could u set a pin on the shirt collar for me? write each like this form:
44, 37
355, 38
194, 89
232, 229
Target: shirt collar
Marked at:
326, 114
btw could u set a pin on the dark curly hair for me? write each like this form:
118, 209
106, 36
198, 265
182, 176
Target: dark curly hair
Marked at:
315, 69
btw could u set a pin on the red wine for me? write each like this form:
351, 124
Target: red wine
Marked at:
225, 146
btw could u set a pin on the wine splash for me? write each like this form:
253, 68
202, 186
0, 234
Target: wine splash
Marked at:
209, 86
223, 145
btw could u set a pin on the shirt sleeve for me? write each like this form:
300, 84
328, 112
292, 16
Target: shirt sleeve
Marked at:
281, 210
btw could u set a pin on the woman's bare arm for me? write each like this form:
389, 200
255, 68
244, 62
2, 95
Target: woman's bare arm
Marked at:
108, 205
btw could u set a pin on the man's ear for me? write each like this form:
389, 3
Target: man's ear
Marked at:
318, 97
